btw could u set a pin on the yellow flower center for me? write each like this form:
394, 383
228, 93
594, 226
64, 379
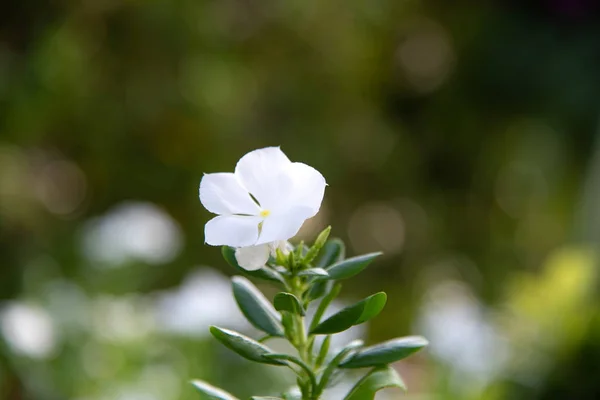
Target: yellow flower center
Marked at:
265, 213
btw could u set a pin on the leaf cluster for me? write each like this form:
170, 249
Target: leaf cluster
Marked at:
305, 275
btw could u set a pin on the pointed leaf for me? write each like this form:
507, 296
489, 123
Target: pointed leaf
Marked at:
386, 352
317, 246
300, 250
256, 307
373, 306
333, 364
332, 252
339, 321
288, 302
243, 345
322, 238
213, 392
323, 351
280, 258
351, 266
318, 289
292, 261
264, 273
374, 381
314, 272
352, 315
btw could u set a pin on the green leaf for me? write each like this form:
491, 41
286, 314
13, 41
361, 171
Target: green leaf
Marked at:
323, 351
213, 392
318, 289
350, 266
243, 345
352, 315
317, 246
322, 238
291, 260
335, 290
339, 321
333, 364
314, 272
288, 302
280, 258
386, 352
300, 250
332, 252
263, 273
266, 398
379, 378
256, 307
373, 306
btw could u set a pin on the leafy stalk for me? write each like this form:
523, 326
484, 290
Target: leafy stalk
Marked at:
307, 274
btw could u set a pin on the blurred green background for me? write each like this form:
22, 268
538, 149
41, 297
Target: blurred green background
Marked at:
460, 138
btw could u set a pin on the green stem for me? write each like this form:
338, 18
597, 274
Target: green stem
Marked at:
302, 339
303, 343
265, 338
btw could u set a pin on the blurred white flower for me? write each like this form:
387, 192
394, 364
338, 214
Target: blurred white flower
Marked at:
135, 231
462, 335
122, 319
266, 200
28, 330
202, 300
68, 304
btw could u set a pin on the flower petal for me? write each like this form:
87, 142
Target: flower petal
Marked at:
222, 193
232, 230
283, 226
263, 173
308, 187
252, 258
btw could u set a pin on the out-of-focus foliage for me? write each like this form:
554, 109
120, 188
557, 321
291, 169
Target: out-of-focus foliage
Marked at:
459, 138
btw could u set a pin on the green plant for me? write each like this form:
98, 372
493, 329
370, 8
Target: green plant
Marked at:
304, 275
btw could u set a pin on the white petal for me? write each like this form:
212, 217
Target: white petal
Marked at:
308, 187
252, 257
222, 193
283, 226
263, 173
232, 230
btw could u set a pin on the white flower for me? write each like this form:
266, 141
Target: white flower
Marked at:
265, 201
254, 257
